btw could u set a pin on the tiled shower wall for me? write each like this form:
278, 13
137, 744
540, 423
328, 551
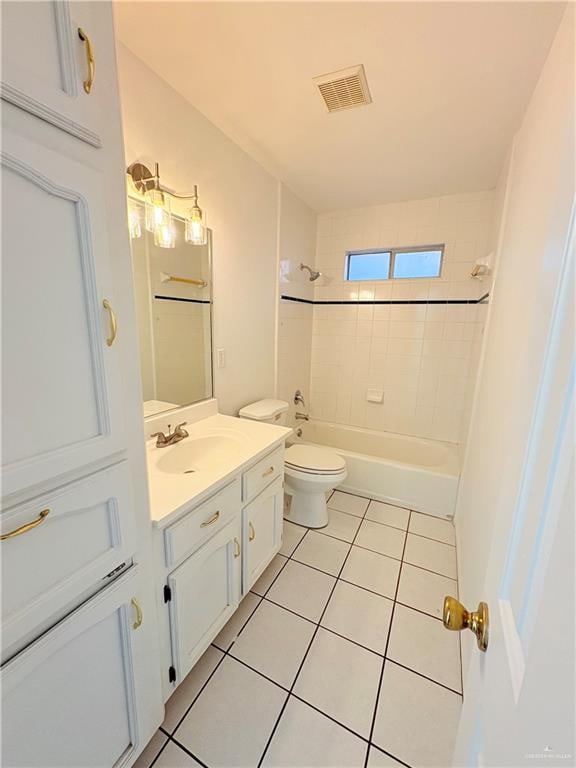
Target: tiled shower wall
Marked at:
423, 356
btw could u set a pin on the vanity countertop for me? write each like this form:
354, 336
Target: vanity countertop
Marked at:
218, 449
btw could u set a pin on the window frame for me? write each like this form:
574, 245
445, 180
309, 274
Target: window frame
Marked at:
393, 251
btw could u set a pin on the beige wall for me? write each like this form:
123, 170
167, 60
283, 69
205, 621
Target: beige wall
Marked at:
240, 200
297, 244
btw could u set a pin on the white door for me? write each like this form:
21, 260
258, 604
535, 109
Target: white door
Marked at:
205, 592
45, 63
62, 399
262, 532
84, 693
515, 513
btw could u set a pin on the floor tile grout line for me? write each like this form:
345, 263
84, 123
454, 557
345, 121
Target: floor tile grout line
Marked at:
389, 754
365, 549
301, 665
188, 752
381, 680
354, 642
330, 717
195, 698
430, 538
421, 674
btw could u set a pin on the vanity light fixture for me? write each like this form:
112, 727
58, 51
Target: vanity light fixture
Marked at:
158, 215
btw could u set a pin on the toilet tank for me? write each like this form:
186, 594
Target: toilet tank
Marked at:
268, 411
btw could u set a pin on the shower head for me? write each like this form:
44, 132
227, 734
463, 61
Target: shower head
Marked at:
314, 275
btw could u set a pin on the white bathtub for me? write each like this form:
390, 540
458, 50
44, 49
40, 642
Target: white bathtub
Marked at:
408, 471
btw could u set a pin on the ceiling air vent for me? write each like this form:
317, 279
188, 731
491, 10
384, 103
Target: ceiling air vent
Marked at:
344, 89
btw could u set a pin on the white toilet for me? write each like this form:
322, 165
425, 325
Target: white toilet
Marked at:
309, 471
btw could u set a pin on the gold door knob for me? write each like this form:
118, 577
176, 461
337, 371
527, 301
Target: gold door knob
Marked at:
456, 617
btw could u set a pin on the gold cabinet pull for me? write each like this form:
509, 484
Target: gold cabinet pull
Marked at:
251, 532
113, 324
138, 609
210, 520
268, 472
456, 617
236, 548
89, 59
27, 527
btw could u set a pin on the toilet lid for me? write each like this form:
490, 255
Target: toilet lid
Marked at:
312, 459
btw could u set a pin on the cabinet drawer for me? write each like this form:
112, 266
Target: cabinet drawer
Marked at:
261, 474
82, 532
187, 534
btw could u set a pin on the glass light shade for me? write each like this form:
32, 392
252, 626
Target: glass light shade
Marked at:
134, 223
157, 210
165, 236
195, 228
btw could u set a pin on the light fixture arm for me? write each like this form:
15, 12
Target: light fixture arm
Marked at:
144, 180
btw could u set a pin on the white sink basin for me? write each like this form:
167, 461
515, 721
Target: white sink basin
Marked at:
195, 454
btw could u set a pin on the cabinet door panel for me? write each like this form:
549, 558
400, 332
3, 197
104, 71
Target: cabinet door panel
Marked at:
262, 532
62, 393
89, 531
44, 64
76, 696
205, 593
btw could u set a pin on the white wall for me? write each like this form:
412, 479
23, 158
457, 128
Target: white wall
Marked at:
240, 200
540, 197
422, 356
297, 244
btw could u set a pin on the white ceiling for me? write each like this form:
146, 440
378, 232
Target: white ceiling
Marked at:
449, 84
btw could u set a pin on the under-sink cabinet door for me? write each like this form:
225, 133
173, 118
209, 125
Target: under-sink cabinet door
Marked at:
262, 532
205, 591
61, 544
45, 62
62, 404
87, 692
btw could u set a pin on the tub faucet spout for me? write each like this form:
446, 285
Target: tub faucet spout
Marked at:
302, 416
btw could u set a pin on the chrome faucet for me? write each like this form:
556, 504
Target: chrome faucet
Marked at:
162, 440
302, 416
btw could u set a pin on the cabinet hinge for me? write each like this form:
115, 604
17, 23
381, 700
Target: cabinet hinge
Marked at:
167, 593
172, 675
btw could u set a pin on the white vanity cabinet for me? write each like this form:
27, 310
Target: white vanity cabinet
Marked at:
210, 557
78, 695
78, 683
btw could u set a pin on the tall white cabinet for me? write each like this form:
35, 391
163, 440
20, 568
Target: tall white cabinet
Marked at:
78, 613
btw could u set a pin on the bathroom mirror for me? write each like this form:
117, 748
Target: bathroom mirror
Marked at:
173, 292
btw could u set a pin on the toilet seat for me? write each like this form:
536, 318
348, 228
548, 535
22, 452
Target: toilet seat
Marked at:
311, 460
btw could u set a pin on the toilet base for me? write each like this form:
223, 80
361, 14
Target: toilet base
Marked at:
308, 509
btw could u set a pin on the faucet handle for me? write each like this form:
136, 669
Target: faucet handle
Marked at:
179, 431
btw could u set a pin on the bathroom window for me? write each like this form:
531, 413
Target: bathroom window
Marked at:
395, 263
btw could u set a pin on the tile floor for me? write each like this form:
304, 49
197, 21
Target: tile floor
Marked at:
336, 659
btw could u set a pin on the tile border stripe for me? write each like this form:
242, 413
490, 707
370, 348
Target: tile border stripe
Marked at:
324, 302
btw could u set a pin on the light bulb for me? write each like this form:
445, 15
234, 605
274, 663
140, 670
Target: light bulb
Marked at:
157, 210
195, 228
134, 224
165, 236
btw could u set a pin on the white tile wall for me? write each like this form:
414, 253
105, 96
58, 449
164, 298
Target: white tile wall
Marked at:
423, 357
